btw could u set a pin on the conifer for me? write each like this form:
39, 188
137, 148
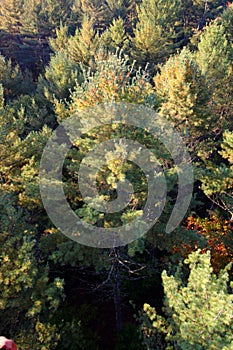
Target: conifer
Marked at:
84, 44
214, 57
198, 313
155, 30
115, 37
184, 95
10, 15
227, 22
60, 77
59, 43
95, 10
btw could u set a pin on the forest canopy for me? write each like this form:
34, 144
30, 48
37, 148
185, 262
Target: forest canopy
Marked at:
161, 291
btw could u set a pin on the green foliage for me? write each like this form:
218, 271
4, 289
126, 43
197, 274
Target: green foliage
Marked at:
10, 15
35, 113
197, 13
214, 57
116, 80
124, 9
115, 37
34, 18
28, 290
60, 77
26, 26
19, 162
213, 51
198, 314
58, 12
112, 80
155, 30
96, 11
27, 293
84, 44
217, 180
59, 43
184, 94
227, 22
1, 96
39, 267
43, 336
13, 80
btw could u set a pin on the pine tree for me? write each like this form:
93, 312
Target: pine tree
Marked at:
125, 9
214, 57
102, 13
58, 12
26, 290
184, 95
95, 10
10, 15
111, 80
120, 8
14, 82
39, 21
155, 31
115, 37
114, 79
214, 51
198, 313
196, 14
10, 27
227, 22
59, 43
217, 180
41, 18
60, 77
84, 44
34, 19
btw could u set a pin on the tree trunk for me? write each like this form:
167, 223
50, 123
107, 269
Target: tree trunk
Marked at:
117, 290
